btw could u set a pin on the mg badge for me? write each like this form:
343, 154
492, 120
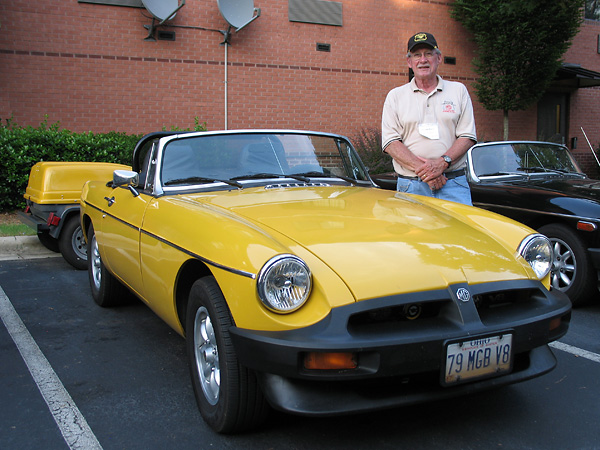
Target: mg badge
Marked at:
463, 295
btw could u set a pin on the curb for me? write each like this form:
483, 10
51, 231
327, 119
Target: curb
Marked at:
23, 247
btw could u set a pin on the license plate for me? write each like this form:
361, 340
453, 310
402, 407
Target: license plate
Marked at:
478, 358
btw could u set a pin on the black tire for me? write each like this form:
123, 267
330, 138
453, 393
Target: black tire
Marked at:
71, 243
48, 241
106, 289
572, 270
228, 395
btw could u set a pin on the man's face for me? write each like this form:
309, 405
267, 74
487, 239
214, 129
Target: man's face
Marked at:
424, 61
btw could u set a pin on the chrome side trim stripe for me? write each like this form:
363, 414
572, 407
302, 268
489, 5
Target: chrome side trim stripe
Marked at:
513, 208
201, 258
177, 247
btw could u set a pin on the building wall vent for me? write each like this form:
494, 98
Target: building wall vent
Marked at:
315, 11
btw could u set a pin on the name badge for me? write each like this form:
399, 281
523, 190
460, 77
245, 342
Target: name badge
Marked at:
429, 130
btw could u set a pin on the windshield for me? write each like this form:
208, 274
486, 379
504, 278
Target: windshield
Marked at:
522, 158
230, 157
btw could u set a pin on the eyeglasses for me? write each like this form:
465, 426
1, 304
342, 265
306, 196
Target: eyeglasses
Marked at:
427, 55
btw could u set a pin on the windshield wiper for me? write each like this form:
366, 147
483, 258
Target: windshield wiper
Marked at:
328, 175
258, 176
542, 170
190, 180
495, 174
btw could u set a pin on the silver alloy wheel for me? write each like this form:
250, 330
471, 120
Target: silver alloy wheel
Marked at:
564, 265
78, 244
207, 356
96, 263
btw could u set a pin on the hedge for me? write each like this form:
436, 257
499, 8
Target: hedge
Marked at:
22, 147
367, 143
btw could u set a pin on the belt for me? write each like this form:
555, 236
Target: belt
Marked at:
455, 174
449, 175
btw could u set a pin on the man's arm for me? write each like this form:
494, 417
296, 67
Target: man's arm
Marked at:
431, 169
428, 170
402, 155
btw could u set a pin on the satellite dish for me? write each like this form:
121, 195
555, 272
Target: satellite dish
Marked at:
238, 13
161, 10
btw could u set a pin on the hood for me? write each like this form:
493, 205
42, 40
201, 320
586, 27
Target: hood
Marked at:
379, 242
561, 195
575, 187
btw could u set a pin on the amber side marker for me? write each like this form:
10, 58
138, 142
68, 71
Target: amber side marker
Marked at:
555, 323
586, 226
330, 361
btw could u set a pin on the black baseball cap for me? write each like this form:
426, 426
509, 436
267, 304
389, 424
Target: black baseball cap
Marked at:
422, 38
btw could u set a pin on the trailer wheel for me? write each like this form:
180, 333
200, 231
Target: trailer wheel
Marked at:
48, 241
71, 243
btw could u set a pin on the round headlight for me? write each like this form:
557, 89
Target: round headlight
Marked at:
537, 251
284, 283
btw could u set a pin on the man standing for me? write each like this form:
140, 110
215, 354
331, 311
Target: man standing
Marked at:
428, 126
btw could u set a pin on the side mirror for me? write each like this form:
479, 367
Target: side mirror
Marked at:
126, 178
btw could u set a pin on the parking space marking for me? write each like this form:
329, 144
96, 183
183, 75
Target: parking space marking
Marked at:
70, 421
576, 351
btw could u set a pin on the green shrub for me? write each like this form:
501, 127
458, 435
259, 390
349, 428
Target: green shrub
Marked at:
22, 147
367, 143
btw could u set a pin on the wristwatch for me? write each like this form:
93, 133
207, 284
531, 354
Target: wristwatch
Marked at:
447, 159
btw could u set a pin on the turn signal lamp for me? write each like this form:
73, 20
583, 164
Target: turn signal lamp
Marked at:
555, 323
586, 226
330, 361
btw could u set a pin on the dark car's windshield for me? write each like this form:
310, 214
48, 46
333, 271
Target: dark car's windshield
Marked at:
258, 155
522, 158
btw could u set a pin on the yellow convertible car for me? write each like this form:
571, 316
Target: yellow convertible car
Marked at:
301, 286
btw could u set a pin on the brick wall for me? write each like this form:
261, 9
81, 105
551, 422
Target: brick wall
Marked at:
89, 67
585, 103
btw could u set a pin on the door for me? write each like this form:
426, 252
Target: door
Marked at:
552, 117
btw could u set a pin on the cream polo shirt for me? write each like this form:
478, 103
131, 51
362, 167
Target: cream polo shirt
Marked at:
407, 107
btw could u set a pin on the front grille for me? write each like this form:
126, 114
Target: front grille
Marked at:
382, 318
496, 306
490, 300
493, 307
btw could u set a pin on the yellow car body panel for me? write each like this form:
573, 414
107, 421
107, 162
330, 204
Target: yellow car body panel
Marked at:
360, 243
54, 182
151, 270
349, 226
293, 277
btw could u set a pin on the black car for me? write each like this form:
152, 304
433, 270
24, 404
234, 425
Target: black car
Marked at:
541, 185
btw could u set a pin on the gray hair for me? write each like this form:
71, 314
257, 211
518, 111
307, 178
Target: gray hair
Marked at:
436, 51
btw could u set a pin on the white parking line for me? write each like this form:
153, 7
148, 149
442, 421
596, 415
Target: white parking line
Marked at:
70, 421
576, 351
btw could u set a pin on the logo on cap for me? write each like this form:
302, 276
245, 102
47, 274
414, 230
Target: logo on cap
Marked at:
420, 37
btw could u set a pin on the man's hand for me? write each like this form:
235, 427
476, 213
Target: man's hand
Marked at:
432, 172
437, 183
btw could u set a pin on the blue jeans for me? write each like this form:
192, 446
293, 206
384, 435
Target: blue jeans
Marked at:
456, 190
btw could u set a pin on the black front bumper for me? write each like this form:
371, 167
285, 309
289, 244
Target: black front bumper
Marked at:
401, 361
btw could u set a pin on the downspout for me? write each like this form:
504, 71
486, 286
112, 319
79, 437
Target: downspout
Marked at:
225, 82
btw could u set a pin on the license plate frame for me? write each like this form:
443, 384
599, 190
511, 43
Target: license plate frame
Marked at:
477, 357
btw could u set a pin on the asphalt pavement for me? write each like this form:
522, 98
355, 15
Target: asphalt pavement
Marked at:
77, 376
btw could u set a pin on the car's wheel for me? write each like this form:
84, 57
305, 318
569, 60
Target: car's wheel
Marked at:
572, 271
48, 241
71, 243
106, 289
227, 393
